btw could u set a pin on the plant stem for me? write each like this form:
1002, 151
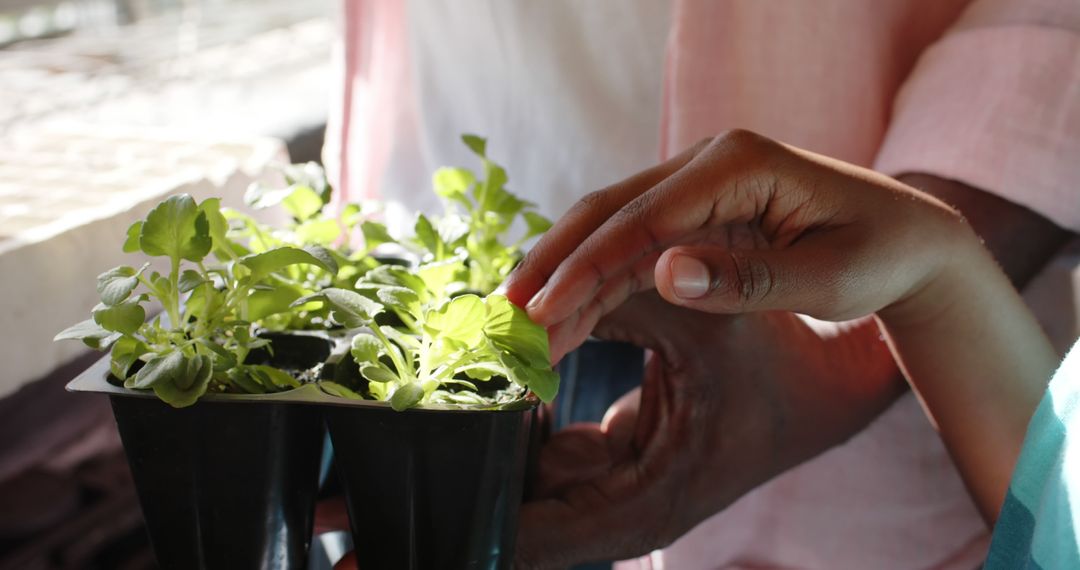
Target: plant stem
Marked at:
403, 371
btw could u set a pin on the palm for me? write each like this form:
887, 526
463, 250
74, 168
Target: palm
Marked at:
728, 402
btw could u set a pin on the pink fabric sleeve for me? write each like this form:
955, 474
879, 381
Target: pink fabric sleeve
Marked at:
996, 104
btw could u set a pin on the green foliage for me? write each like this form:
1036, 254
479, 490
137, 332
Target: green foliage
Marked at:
447, 346
481, 214
312, 228
202, 344
429, 335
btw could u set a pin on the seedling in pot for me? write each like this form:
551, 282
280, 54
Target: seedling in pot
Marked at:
480, 215
447, 353
453, 347
305, 199
202, 344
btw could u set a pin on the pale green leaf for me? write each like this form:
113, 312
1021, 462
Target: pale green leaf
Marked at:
303, 202
131, 243
124, 318
90, 333
158, 369
511, 330
189, 280
349, 308
186, 386
377, 373
116, 284
263, 264
460, 320
335, 389
365, 348
176, 228
406, 396
274, 376
476, 144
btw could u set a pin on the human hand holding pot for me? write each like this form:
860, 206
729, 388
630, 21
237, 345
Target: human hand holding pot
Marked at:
738, 224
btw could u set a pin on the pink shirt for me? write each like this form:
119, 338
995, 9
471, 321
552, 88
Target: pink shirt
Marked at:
985, 91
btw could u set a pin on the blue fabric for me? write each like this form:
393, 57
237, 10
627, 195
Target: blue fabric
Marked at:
1037, 527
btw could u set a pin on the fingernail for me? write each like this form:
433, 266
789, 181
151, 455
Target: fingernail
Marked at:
535, 301
500, 290
689, 276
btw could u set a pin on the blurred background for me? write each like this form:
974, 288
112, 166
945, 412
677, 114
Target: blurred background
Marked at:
105, 107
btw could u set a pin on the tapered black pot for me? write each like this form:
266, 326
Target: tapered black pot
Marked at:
224, 485
433, 488
230, 482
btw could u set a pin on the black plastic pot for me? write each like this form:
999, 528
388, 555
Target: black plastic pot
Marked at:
230, 482
432, 488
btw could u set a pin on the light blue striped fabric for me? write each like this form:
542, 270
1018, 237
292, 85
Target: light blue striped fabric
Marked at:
1038, 524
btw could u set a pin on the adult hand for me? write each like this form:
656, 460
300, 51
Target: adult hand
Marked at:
728, 402
737, 223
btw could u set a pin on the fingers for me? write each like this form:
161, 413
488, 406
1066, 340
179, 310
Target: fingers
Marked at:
580, 221
812, 278
726, 182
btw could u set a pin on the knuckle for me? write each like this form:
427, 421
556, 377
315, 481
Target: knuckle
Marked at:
591, 201
701, 144
744, 144
753, 279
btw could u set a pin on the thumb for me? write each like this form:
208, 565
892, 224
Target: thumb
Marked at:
719, 280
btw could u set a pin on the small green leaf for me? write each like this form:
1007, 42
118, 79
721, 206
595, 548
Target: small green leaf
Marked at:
323, 231
375, 234
116, 284
335, 389
460, 320
483, 370
440, 275
536, 223
274, 376
326, 256
349, 308
186, 386
544, 382
310, 174
263, 264
176, 228
302, 203
406, 396
158, 369
376, 373
241, 378
90, 333
131, 244
265, 302
476, 144
428, 238
218, 228
454, 184
453, 230
125, 352
189, 280
124, 318
365, 348
399, 298
511, 330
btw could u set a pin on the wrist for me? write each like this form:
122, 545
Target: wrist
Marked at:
958, 267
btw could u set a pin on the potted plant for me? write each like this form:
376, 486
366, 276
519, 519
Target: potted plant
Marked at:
438, 411
429, 384
226, 474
